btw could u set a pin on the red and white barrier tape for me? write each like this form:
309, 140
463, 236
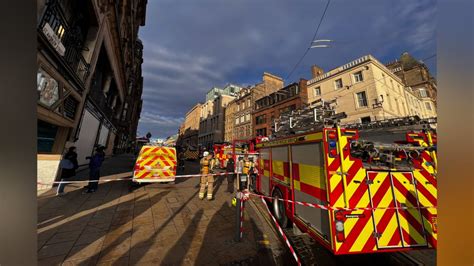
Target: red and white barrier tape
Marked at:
325, 207
280, 230
124, 179
241, 218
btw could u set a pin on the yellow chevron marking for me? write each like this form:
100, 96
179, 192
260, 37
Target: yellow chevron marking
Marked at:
349, 223
389, 231
334, 181
352, 186
363, 237
422, 181
411, 231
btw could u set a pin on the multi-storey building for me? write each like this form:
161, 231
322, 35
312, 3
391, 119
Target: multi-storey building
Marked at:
366, 90
89, 79
188, 135
243, 106
229, 113
416, 75
211, 125
267, 108
229, 89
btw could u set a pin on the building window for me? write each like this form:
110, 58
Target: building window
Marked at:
338, 83
261, 132
365, 120
362, 99
241, 119
247, 117
428, 106
248, 102
70, 107
236, 120
260, 119
358, 77
238, 107
46, 135
317, 91
423, 93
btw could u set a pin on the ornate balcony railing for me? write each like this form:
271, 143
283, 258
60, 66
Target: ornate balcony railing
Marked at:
65, 40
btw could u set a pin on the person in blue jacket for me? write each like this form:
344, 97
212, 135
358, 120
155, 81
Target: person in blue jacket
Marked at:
94, 169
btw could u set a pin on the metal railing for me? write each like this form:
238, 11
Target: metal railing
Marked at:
72, 59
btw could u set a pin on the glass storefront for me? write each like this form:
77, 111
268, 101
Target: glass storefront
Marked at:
46, 135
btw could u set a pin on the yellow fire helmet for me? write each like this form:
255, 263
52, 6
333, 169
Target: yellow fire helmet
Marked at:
234, 202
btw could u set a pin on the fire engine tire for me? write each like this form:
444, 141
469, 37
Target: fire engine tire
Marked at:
279, 209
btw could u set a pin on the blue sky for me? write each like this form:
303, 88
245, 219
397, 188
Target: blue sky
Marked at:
191, 46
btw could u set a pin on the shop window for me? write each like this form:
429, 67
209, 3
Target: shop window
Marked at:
46, 135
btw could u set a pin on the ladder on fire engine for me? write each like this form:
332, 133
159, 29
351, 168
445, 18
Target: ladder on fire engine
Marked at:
400, 123
311, 117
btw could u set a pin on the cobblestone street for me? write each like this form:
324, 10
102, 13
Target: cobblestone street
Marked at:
154, 224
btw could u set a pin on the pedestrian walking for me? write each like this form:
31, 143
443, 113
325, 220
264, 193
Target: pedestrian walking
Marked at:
94, 169
230, 168
68, 166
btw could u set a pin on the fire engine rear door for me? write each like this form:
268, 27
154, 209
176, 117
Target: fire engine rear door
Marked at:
387, 229
409, 213
402, 227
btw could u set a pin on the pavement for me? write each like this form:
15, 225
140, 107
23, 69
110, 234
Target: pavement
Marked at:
153, 224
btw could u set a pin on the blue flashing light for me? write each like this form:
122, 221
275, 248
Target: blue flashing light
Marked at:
332, 144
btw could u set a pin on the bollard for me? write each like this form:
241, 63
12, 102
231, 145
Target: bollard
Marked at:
238, 215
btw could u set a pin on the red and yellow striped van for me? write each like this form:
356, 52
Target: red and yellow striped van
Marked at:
155, 164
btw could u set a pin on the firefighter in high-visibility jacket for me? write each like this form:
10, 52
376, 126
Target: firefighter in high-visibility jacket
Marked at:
246, 166
207, 166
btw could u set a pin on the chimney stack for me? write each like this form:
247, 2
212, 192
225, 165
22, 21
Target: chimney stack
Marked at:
316, 71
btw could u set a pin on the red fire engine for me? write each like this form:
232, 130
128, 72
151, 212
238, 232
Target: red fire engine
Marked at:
379, 184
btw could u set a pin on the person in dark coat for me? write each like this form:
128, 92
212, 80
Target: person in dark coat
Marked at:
68, 171
230, 176
94, 169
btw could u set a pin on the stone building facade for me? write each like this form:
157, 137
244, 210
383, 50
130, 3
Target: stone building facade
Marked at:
211, 124
189, 131
244, 104
229, 113
89, 79
366, 91
416, 75
267, 108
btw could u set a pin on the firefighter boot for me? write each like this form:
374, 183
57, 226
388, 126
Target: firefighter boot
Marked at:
210, 187
202, 189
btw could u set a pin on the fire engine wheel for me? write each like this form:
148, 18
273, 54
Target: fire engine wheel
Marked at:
279, 209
